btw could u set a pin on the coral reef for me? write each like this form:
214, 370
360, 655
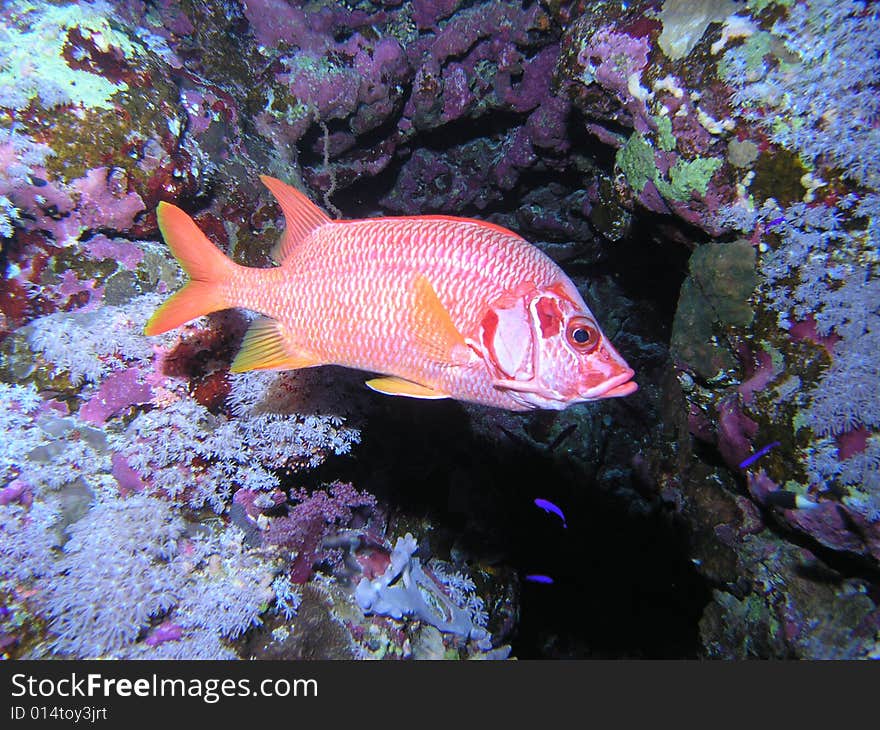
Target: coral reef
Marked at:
802, 371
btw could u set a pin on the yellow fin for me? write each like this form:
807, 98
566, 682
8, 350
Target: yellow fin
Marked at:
435, 333
264, 348
392, 385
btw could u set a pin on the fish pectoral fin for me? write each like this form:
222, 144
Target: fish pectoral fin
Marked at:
266, 348
435, 334
392, 385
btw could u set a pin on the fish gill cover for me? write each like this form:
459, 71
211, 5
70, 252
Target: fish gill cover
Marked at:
707, 175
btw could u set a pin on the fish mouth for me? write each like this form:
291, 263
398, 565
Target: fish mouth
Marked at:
532, 395
622, 390
619, 385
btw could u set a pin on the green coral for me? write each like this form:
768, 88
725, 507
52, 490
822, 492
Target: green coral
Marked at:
665, 140
687, 176
636, 160
32, 61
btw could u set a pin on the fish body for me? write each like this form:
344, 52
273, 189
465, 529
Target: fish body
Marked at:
548, 507
440, 306
746, 463
537, 578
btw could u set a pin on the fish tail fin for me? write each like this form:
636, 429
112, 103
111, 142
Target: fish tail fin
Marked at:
207, 267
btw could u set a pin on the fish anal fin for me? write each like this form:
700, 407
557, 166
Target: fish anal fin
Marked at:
392, 385
265, 347
435, 334
301, 216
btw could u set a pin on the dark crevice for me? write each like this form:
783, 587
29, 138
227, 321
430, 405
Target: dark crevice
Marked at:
644, 268
623, 584
311, 144
587, 145
361, 199
492, 125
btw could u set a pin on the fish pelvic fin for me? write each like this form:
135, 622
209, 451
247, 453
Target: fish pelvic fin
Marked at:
207, 267
301, 216
393, 385
435, 334
265, 347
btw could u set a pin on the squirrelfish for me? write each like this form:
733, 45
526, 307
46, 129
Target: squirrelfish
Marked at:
441, 307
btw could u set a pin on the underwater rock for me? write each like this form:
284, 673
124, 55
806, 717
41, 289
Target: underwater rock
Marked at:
660, 117
316, 633
790, 604
722, 278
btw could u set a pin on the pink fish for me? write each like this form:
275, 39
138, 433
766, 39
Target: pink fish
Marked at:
442, 307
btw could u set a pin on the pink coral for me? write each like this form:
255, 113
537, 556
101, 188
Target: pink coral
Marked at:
611, 58
120, 250
166, 631
17, 491
118, 391
307, 523
127, 478
735, 431
104, 201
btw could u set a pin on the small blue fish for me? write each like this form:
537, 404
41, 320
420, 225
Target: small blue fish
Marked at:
776, 221
546, 579
757, 455
548, 506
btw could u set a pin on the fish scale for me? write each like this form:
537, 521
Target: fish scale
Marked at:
443, 306
373, 303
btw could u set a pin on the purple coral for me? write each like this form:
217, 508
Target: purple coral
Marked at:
119, 390
309, 521
614, 61
166, 631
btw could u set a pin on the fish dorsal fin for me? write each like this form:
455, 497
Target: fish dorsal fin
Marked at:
265, 348
398, 386
436, 335
301, 216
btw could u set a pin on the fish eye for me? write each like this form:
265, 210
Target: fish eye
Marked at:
582, 334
